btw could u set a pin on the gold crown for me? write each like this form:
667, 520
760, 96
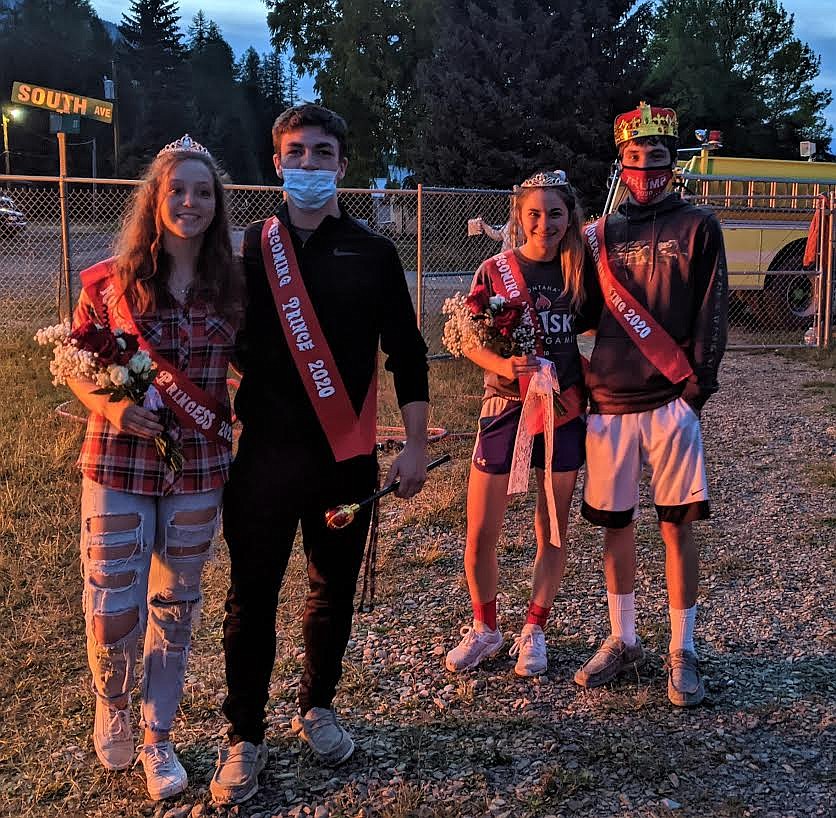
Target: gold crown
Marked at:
645, 121
185, 144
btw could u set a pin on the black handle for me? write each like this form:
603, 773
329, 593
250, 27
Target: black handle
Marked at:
439, 461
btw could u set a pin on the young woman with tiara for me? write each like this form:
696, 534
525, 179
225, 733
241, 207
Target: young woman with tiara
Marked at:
551, 277
147, 527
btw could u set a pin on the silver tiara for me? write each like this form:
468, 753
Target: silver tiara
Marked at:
547, 178
185, 144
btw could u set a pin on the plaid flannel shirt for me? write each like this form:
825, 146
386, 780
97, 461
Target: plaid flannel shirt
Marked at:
198, 342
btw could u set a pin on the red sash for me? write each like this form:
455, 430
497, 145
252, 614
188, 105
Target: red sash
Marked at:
508, 281
641, 327
348, 434
194, 407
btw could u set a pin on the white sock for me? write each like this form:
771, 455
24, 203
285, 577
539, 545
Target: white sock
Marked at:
682, 628
623, 616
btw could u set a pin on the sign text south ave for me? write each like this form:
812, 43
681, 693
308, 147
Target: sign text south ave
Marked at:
62, 102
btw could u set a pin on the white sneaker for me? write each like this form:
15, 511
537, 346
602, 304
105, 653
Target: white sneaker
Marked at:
164, 774
112, 735
530, 649
478, 643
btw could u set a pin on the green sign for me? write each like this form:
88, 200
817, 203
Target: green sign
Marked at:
62, 102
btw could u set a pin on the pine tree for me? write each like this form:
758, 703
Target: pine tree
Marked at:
197, 32
273, 83
248, 67
520, 86
220, 114
363, 54
292, 84
153, 108
151, 30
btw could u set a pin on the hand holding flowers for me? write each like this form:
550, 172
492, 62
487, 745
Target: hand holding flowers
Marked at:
113, 361
480, 319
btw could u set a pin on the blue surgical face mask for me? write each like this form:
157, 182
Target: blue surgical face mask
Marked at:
309, 189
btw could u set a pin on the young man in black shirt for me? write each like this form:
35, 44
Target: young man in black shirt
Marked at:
658, 348
324, 292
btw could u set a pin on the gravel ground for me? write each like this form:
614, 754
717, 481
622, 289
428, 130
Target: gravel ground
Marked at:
487, 743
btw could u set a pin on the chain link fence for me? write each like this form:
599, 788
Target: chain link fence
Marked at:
776, 298
777, 266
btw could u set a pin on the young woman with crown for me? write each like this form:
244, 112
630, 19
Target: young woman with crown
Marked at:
146, 526
551, 278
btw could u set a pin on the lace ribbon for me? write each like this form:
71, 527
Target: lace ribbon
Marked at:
539, 398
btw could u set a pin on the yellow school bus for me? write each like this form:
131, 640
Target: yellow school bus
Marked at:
765, 207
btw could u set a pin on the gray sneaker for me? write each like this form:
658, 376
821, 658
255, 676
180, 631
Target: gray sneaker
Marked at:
610, 660
685, 685
236, 775
322, 732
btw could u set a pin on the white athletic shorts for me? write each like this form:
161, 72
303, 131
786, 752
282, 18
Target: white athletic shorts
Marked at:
667, 440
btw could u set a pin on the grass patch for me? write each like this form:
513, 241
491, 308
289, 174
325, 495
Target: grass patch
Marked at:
819, 358
556, 784
823, 473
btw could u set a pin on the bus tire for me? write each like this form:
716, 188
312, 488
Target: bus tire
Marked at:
787, 301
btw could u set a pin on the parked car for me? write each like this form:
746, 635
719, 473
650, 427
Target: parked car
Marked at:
12, 220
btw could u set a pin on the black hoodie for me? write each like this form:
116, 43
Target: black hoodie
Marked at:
670, 256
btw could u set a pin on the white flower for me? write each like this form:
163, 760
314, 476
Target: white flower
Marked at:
496, 302
140, 362
119, 375
57, 334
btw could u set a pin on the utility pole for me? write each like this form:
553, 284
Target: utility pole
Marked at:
7, 115
65, 226
110, 95
6, 141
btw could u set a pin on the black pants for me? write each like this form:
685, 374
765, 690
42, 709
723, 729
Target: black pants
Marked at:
270, 492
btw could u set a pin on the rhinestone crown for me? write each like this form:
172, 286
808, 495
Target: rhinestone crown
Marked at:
547, 178
185, 144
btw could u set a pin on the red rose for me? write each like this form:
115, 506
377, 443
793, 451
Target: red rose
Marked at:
477, 301
507, 320
131, 348
97, 340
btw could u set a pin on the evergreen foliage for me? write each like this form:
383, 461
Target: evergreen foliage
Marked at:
364, 55
519, 86
153, 108
466, 92
736, 65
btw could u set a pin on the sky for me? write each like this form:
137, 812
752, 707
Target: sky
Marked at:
244, 23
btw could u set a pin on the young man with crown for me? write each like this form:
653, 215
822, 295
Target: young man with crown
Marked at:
324, 293
662, 268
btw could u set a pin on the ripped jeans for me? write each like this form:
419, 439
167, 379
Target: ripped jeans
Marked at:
142, 558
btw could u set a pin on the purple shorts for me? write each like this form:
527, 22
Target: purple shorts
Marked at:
498, 430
